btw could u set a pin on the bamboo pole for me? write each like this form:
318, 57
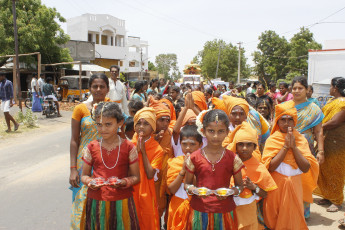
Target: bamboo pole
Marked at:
80, 69
20, 55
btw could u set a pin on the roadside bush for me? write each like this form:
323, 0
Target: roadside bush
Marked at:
28, 119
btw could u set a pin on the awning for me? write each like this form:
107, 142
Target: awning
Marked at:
90, 67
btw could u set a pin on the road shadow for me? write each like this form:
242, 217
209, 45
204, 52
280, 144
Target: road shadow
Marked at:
317, 219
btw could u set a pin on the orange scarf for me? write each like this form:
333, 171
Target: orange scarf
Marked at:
189, 115
172, 108
230, 102
148, 114
199, 100
161, 109
243, 132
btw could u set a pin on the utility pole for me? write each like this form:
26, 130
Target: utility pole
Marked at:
16, 79
141, 63
218, 59
239, 63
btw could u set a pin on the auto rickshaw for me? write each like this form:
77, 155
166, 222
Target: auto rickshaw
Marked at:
68, 88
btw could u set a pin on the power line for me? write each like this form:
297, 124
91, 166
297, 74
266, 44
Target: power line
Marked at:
170, 19
308, 26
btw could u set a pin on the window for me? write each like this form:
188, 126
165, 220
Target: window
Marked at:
121, 63
104, 40
97, 38
89, 37
132, 64
112, 41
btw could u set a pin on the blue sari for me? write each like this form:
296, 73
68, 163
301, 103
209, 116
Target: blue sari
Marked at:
259, 123
36, 103
309, 115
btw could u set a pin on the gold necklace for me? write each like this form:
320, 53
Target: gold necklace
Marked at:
213, 164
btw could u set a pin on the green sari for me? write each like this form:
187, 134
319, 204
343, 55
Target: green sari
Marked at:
88, 133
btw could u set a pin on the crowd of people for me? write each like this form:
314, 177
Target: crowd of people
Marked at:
205, 157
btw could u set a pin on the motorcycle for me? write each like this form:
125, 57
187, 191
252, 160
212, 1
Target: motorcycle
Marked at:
28, 100
49, 107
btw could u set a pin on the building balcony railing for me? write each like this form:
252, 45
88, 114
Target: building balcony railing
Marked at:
111, 52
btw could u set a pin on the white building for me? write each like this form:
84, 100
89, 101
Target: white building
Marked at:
112, 45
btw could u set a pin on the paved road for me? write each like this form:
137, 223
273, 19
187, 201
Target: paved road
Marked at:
34, 178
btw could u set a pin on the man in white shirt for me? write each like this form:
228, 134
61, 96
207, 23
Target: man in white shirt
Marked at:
36, 92
249, 88
41, 82
117, 91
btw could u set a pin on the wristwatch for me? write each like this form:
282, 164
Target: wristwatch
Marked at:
239, 191
257, 190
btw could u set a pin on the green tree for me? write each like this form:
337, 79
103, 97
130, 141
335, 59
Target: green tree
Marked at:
152, 66
228, 61
300, 43
196, 59
166, 63
272, 56
38, 31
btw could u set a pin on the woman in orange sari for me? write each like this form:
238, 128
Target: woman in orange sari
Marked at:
288, 158
332, 171
150, 162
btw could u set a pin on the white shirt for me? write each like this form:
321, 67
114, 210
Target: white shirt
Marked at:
249, 90
41, 82
178, 148
34, 84
117, 93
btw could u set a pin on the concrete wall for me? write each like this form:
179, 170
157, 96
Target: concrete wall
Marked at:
81, 50
111, 52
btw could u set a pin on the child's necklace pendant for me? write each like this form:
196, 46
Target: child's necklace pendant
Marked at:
213, 169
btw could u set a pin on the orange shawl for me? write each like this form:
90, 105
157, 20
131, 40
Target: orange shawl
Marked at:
258, 173
199, 100
180, 217
144, 193
174, 168
276, 142
161, 185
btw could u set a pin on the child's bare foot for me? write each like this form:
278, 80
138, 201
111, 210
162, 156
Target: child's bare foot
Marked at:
16, 127
333, 208
8, 131
323, 202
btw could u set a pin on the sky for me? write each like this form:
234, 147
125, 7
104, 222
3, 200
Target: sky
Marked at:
183, 26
